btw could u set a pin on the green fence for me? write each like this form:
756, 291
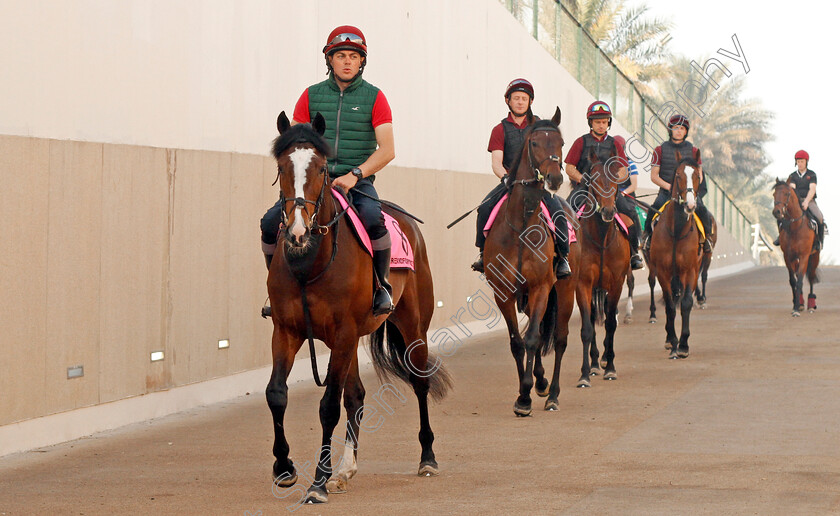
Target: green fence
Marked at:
560, 34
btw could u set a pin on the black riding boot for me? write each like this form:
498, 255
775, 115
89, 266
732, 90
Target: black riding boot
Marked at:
561, 266
478, 264
635, 260
266, 310
382, 300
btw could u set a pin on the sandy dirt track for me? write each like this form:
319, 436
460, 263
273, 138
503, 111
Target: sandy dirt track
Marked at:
748, 424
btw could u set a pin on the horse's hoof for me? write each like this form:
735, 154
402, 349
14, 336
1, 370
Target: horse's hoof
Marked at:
552, 405
284, 479
702, 306
583, 383
594, 371
652, 320
628, 319
337, 486
521, 410
316, 495
812, 310
673, 355
795, 313
682, 354
428, 469
610, 376
542, 388
668, 345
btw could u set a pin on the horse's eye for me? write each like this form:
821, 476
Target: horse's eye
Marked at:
533, 143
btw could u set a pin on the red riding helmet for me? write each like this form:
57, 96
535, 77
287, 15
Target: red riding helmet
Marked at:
801, 155
520, 85
679, 120
346, 37
598, 109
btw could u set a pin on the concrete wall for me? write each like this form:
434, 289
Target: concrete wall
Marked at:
133, 143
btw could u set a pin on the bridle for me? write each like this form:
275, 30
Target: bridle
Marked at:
299, 202
539, 177
784, 205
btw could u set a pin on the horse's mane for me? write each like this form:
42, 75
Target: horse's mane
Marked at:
300, 133
539, 124
779, 183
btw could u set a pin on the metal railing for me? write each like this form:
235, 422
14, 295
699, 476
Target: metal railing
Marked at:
562, 36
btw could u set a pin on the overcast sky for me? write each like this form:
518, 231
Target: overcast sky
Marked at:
790, 52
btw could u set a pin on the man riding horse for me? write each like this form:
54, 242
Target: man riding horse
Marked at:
359, 124
599, 118
804, 181
664, 165
505, 147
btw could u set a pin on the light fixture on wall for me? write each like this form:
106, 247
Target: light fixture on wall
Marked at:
224, 344
157, 356
75, 372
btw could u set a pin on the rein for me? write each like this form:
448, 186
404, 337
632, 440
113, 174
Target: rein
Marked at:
788, 222
318, 229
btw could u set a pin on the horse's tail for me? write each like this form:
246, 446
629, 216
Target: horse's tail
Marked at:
548, 325
599, 299
390, 361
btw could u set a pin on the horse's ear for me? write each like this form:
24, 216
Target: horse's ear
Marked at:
679, 156
557, 115
283, 122
319, 124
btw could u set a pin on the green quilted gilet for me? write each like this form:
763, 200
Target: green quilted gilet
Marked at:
349, 121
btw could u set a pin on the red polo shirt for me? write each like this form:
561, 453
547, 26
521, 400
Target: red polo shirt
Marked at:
497, 135
573, 156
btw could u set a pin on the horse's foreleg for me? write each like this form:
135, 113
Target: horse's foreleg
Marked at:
631, 284
341, 357
541, 383
283, 351
686, 302
587, 331
517, 347
594, 352
610, 325
537, 303
354, 399
670, 316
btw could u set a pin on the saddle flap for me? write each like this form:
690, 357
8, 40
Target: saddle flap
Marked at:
402, 254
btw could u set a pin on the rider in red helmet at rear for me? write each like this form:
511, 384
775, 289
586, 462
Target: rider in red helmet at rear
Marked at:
599, 118
505, 147
804, 181
359, 125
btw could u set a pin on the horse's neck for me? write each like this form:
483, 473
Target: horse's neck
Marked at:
518, 202
794, 206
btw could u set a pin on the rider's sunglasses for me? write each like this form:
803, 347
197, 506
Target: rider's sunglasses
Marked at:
346, 36
599, 107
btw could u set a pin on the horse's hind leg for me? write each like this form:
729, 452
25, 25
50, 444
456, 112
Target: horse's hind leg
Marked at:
541, 384
631, 284
652, 284
354, 398
283, 351
594, 352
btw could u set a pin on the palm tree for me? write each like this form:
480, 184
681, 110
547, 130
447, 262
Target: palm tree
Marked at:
629, 36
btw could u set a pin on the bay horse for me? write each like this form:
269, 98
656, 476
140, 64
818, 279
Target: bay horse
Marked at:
321, 286
700, 288
675, 253
519, 256
797, 240
604, 264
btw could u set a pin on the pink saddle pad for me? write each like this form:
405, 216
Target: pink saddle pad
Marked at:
618, 220
402, 255
546, 215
